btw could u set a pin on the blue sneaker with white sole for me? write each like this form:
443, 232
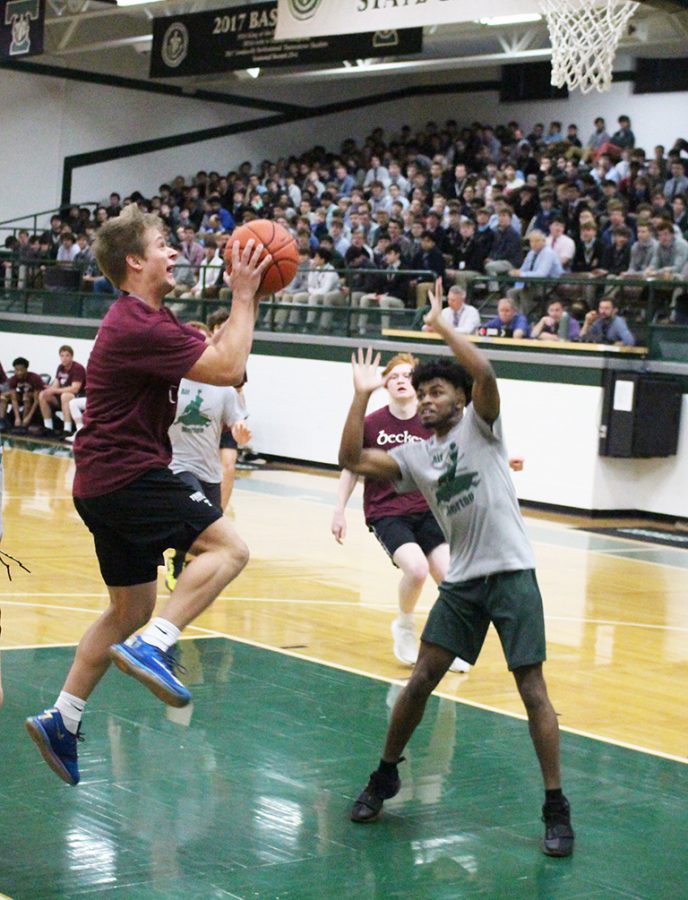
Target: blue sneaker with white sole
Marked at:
153, 667
56, 743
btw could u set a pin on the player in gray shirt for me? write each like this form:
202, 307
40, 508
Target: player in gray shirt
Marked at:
462, 471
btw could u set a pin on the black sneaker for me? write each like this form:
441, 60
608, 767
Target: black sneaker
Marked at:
369, 803
559, 835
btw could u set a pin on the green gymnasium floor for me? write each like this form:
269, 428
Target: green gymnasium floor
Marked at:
249, 797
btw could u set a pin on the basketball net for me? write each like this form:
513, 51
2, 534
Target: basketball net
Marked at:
584, 35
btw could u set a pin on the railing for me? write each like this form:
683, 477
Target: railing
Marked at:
10, 227
46, 288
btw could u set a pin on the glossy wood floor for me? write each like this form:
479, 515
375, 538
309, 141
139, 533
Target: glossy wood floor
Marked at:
616, 610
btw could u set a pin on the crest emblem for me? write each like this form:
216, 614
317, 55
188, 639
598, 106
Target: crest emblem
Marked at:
303, 9
175, 45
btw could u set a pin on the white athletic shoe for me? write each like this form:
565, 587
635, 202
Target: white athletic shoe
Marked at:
405, 643
460, 665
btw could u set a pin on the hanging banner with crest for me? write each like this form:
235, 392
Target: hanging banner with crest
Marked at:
21, 28
243, 37
310, 18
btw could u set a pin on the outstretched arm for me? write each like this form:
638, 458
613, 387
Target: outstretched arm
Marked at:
485, 392
352, 456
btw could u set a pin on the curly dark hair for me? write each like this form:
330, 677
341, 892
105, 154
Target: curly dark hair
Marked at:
447, 369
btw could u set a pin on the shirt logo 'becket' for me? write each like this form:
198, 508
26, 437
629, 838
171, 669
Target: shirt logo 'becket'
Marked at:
455, 490
404, 437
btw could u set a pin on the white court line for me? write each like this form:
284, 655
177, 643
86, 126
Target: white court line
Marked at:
346, 603
211, 632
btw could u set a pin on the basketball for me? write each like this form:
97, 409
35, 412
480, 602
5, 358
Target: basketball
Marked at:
278, 242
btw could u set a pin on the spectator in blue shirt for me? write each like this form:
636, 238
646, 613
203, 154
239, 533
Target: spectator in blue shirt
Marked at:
606, 326
508, 322
540, 262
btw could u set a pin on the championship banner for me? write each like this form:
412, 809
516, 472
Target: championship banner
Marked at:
21, 28
310, 18
243, 38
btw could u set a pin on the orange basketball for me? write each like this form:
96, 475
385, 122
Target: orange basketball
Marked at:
278, 242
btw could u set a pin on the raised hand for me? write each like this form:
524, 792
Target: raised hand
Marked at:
367, 377
247, 269
435, 297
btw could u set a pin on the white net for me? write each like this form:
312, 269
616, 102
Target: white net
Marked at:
584, 35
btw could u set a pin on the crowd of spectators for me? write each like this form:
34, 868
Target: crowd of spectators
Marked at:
494, 207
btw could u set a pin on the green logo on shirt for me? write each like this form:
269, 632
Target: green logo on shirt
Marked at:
450, 485
192, 419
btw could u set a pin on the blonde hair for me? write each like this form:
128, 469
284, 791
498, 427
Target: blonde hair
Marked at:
123, 236
398, 360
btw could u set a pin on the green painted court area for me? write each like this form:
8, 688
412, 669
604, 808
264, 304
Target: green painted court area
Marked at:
249, 795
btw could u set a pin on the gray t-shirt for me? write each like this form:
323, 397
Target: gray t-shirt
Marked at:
465, 478
202, 410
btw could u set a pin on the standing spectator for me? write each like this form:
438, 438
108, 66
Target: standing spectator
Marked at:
69, 382
428, 257
53, 236
598, 138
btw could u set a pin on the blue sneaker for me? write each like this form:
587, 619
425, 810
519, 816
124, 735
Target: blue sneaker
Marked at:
56, 743
152, 667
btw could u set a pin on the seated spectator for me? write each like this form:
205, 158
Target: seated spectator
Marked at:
428, 257
540, 262
68, 249
469, 255
597, 139
362, 280
561, 243
616, 258
184, 277
191, 249
641, 251
678, 207
678, 183
297, 286
606, 326
463, 317
505, 253
69, 382
670, 255
211, 266
391, 289
557, 325
589, 250
508, 322
23, 389
323, 290
617, 216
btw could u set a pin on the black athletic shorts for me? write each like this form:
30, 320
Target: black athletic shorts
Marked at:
132, 527
227, 441
417, 528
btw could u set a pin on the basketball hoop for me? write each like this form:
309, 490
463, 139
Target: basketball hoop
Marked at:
584, 36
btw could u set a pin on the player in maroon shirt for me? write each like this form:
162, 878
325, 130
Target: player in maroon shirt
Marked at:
69, 382
124, 491
402, 523
23, 390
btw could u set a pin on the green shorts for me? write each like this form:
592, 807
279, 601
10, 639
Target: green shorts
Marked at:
510, 600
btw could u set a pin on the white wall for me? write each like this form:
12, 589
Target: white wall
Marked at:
298, 406
45, 119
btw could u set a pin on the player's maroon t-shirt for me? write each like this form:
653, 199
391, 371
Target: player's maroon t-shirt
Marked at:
76, 372
383, 431
139, 357
32, 382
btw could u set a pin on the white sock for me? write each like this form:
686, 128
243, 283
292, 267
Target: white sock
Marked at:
72, 709
161, 634
67, 427
406, 619
48, 423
